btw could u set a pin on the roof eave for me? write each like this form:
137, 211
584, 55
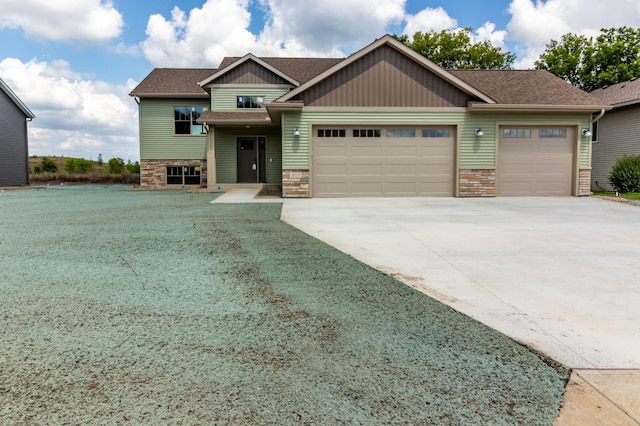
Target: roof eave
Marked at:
477, 106
626, 103
170, 95
275, 109
16, 100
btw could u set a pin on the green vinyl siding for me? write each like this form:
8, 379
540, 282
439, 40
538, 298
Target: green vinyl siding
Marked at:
224, 98
157, 138
226, 152
474, 152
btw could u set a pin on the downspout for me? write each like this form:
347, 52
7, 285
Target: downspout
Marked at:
599, 116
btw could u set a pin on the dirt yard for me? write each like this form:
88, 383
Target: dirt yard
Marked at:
130, 307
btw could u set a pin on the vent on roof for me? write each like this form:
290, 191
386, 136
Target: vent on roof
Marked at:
605, 86
634, 79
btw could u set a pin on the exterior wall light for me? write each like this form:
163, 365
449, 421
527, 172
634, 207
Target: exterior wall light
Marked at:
478, 132
296, 132
586, 133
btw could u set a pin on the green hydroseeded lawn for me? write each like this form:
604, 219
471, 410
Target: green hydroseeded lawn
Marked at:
132, 307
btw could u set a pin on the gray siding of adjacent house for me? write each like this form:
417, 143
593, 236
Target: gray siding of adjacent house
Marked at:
618, 135
14, 153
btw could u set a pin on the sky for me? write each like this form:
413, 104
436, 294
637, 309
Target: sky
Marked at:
74, 62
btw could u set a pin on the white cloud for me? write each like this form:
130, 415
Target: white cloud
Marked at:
84, 21
74, 116
429, 19
488, 32
534, 25
201, 37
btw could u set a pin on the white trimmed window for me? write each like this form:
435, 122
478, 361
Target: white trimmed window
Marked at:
249, 102
183, 175
332, 133
401, 133
185, 120
553, 133
366, 133
436, 133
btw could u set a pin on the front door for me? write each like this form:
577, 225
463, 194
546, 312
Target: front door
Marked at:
252, 166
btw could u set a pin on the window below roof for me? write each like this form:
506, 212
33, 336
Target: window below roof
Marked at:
249, 102
185, 120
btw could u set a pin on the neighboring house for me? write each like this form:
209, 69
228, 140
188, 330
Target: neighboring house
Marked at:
14, 150
618, 132
383, 122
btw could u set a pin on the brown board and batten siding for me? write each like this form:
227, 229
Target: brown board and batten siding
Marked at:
618, 136
250, 73
384, 78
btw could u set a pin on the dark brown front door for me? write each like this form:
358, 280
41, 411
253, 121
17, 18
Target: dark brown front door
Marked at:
252, 159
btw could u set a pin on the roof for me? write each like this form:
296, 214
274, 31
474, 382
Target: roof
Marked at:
300, 69
620, 94
16, 100
183, 82
235, 117
392, 42
527, 87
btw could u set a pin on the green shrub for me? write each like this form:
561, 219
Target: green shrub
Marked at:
116, 165
78, 165
48, 165
625, 174
133, 167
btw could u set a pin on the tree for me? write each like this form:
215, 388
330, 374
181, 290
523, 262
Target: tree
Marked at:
116, 165
613, 57
455, 50
48, 165
78, 165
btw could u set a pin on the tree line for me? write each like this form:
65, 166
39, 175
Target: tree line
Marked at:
586, 62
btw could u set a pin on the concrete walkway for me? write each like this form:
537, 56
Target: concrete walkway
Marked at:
560, 275
244, 195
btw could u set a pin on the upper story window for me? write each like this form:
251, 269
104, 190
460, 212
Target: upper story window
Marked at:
249, 102
185, 120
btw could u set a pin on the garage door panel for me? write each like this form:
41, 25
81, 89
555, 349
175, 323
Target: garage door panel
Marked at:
384, 166
536, 165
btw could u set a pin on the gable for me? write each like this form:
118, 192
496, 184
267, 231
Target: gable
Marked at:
384, 78
250, 72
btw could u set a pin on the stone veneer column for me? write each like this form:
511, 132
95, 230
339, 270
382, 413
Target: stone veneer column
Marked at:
584, 186
477, 183
295, 183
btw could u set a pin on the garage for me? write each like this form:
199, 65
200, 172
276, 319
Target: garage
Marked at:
536, 161
365, 161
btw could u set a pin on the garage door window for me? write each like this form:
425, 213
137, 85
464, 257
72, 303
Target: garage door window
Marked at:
332, 133
401, 133
516, 133
553, 133
366, 133
436, 133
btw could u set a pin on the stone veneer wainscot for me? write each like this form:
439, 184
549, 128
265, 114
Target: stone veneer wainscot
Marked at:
153, 173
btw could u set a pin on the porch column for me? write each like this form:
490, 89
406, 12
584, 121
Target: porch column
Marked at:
211, 157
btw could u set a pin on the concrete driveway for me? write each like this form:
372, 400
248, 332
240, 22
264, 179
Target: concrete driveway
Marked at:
560, 275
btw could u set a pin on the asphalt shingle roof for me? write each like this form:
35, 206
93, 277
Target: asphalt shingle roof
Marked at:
627, 92
525, 87
300, 69
173, 81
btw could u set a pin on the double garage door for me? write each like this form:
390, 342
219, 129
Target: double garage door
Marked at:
365, 161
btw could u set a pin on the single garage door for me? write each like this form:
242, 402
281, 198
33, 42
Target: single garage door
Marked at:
365, 161
536, 161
